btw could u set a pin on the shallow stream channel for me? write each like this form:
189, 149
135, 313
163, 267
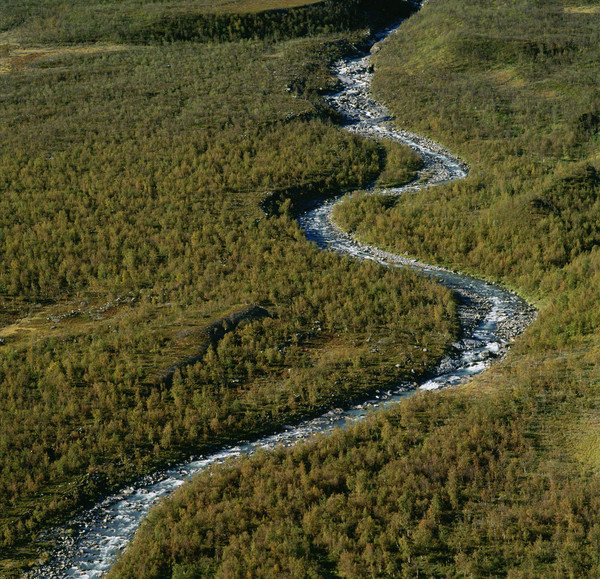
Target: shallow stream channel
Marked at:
490, 319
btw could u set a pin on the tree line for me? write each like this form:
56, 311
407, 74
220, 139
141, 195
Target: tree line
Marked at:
79, 21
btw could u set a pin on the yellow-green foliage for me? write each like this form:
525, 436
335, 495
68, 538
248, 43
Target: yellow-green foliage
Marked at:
401, 165
445, 485
168, 21
130, 181
521, 108
499, 478
105, 142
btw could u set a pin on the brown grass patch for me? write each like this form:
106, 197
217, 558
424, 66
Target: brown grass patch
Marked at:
13, 57
242, 6
508, 77
18, 327
582, 9
584, 441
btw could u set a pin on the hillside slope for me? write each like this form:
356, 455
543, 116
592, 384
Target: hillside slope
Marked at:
499, 477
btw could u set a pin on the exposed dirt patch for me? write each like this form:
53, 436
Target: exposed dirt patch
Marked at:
583, 9
256, 5
14, 58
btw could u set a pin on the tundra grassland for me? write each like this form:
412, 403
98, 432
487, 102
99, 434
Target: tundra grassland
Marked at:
497, 478
131, 239
140, 21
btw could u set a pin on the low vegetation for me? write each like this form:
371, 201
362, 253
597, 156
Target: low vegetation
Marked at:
134, 21
132, 178
499, 478
521, 109
445, 485
401, 165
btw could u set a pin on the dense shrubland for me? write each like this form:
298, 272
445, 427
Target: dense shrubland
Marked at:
107, 140
445, 485
401, 165
521, 108
499, 478
131, 179
171, 21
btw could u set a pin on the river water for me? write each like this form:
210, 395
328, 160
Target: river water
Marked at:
490, 318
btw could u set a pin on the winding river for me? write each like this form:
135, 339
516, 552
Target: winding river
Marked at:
490, 318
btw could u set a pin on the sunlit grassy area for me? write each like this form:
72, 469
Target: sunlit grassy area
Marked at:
252, 5
14, 58
40, 21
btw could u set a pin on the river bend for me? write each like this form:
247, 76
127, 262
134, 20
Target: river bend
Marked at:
490, 318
